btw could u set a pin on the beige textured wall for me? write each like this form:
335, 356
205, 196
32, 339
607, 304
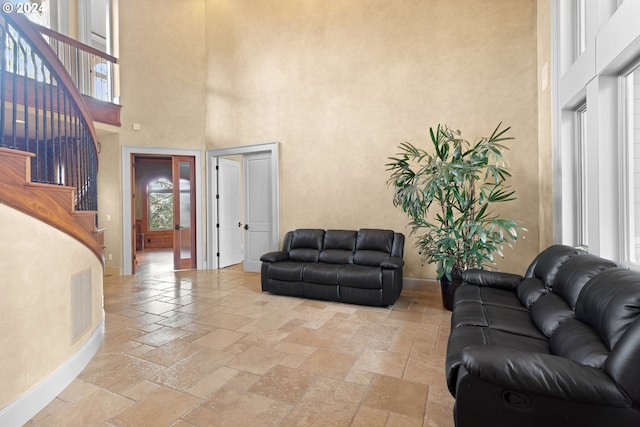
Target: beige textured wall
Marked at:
162, 69
36, 338
341, 83
110, 201
162, 73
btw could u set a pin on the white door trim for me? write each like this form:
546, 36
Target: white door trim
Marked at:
212, 214
126, 200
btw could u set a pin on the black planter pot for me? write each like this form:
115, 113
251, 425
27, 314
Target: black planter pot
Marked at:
448, 288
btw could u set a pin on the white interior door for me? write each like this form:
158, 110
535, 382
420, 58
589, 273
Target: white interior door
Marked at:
258, 209
229, 213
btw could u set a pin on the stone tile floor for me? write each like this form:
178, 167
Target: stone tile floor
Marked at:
208, 348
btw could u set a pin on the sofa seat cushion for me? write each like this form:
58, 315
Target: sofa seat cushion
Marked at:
505, 319
359, 276
336, 256
321, 273
465, 336
487, 295
288, 271
370, 258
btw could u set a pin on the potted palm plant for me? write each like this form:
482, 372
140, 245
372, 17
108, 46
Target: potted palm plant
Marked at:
448, 193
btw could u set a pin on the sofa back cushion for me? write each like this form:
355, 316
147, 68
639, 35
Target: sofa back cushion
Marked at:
606, 308
530, 290
375, 240
610, 304
579, 342
338, 247
551, 310
306, 244
575, 273
545, 266
605, 332
373, 246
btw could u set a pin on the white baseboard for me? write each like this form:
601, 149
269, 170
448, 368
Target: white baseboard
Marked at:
21, 410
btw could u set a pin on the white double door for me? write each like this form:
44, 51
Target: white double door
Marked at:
244, 225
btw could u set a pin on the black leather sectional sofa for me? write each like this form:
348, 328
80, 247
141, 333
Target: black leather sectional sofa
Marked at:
358, 267
557, 347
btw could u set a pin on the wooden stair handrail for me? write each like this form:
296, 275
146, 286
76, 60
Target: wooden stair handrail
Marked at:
74, 43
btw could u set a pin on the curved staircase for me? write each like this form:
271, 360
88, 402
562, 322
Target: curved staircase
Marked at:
53, 204
48, 151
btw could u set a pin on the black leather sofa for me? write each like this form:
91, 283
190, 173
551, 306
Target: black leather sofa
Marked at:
358, 267
557, 347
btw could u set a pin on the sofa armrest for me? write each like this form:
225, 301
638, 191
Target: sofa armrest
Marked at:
543, 374
392, 263
275, 256
492, 279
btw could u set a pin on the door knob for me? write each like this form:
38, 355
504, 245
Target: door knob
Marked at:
239, 224
246, 226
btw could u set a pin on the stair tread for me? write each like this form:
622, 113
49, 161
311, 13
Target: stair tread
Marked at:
52, 204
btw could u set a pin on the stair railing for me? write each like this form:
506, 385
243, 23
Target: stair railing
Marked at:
91, 70
42, 112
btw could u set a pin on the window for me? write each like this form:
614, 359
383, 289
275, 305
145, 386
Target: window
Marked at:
101, 81
160, 204
581, 176
36, 11
631, 166
613, 141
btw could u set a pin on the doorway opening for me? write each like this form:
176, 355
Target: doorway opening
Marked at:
153, 213
243, 195
161, 210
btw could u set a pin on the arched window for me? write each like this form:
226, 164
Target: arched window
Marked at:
160, 204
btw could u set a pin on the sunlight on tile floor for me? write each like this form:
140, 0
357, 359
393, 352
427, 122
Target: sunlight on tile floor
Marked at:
208, 348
